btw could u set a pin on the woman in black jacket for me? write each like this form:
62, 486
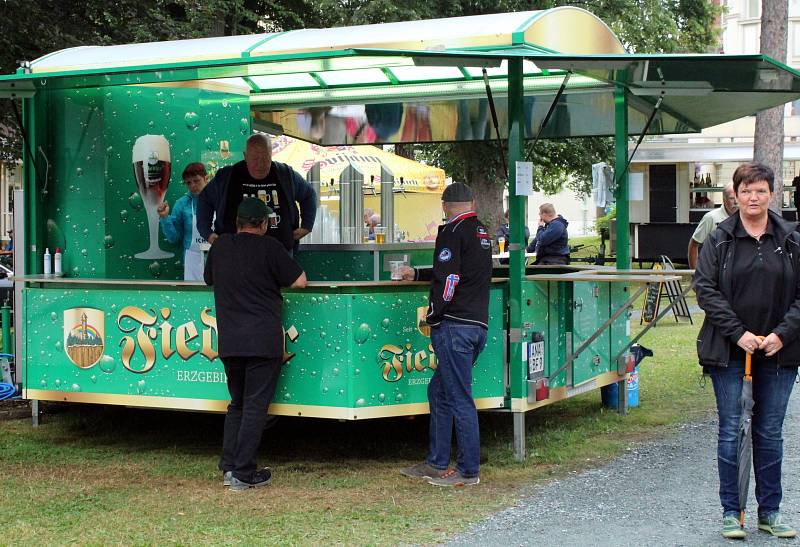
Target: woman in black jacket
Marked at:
747, 283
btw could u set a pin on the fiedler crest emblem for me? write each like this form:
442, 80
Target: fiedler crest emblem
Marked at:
84, 335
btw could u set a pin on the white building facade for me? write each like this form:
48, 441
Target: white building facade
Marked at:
706, 161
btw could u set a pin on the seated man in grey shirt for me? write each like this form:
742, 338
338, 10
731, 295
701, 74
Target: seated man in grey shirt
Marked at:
709, 222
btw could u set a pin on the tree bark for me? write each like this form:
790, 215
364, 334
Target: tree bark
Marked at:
768, 138
404, 150
489, 198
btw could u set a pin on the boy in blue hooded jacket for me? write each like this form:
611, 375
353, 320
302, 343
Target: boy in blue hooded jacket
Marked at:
181, 225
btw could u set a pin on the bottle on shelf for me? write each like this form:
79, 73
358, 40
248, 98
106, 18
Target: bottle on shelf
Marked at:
57, 263
47, 266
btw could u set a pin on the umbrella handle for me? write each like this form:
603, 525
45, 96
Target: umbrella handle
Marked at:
748, 363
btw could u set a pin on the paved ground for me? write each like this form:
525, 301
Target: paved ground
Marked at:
658, 493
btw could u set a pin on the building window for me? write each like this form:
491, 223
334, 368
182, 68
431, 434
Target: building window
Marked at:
794, 38
752, 9
750, 38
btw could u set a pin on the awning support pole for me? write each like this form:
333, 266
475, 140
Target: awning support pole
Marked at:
643, 134
621, 153
493, 110
574, 355
517, 206
548, 115
655, 321
31, 252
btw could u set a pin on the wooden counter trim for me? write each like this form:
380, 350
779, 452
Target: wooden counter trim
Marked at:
628, 276
181, 283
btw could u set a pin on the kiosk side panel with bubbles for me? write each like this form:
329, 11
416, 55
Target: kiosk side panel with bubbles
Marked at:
114, 153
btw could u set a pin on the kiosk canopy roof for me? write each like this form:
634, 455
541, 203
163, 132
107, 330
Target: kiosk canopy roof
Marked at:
399, 71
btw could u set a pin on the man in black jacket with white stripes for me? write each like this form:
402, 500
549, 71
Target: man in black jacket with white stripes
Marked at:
458, 314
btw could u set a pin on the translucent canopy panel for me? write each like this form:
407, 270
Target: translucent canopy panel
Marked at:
565, 29
136, 55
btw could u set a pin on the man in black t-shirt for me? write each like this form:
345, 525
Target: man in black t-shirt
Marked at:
247, 271
274, 183
458, 314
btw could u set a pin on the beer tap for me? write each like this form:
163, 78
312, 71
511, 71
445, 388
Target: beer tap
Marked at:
402, 189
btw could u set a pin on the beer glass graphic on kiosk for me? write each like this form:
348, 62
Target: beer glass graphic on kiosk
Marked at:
151, 167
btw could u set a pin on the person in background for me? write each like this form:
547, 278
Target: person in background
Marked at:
710, 221
181, 225
458, 315
371, 221
275, 183
551, 240
247, 272
747, 282
9, 247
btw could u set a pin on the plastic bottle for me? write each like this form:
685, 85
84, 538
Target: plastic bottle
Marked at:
57, 263
48, 270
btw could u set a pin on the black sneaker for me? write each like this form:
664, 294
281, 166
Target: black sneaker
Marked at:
422, 471
258, 480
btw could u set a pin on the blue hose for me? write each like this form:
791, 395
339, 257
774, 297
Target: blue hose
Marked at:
7, 391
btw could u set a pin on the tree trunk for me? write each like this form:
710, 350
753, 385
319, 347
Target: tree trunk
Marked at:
768, 138
404, 150
489, 198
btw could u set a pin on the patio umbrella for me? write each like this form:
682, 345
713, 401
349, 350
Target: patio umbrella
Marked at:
745, 438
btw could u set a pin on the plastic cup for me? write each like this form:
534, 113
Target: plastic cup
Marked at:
396, 267
380, 234
349, 234
365, 235
501, 244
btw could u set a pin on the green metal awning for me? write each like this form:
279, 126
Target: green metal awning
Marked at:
437, 67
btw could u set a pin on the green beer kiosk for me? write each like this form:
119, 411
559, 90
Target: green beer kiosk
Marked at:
109, 129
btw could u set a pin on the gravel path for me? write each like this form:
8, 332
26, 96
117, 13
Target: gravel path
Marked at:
658, 493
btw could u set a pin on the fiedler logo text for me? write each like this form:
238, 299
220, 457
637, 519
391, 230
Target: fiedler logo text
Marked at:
149, 335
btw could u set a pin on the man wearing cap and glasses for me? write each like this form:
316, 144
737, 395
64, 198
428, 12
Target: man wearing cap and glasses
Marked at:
458, 314
247, 271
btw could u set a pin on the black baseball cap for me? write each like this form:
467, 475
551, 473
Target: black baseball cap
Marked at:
457, 192
253, 210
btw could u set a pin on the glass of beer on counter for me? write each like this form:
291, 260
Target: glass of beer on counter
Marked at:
501, 244
380, 234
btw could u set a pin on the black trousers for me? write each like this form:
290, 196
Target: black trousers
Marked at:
251, 383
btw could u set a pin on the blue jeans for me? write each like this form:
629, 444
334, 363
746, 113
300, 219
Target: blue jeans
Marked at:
772, 386
457, 346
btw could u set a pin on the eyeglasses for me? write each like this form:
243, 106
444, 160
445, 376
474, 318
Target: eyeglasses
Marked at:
758, 193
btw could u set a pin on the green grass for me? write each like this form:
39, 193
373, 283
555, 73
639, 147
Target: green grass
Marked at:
98, 475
